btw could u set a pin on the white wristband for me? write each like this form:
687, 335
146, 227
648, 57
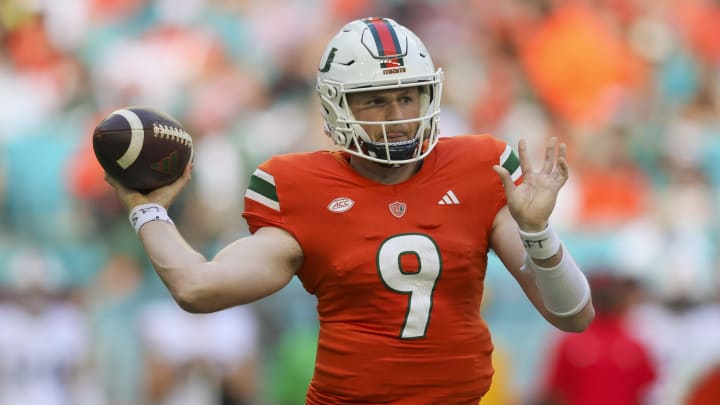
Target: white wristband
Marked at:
144, 213
541, 245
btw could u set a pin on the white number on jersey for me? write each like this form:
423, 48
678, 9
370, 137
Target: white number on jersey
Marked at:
419, 284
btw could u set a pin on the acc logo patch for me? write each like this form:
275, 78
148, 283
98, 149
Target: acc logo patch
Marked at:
340, 204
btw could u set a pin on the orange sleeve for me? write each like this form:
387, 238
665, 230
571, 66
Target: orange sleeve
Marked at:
262, 204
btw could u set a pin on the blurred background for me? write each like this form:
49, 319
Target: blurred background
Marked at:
632, 86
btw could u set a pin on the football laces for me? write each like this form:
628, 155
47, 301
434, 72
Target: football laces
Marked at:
172, 133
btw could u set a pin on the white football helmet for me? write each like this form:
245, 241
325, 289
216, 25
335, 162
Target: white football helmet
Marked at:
378, 54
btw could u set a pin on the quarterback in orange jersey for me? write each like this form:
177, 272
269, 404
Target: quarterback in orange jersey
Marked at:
391, 233
397, 269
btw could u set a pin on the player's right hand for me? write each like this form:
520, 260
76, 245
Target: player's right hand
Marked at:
163, 195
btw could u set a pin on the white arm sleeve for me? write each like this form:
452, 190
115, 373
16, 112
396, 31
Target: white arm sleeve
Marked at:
564, 288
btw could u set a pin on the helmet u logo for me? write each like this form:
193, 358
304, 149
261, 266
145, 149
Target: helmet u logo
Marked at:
329, 60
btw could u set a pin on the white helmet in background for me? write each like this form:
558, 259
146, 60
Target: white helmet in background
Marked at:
378, 54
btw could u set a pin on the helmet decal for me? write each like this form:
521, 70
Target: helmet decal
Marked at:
386, 38
387, 42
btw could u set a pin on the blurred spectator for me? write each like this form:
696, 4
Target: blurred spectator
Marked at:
200, 359
681, 331
290, 366
44, 345
574, 39
612, 188
605, 364
115, 300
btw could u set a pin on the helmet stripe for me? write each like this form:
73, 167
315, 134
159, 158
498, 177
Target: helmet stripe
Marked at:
386, 38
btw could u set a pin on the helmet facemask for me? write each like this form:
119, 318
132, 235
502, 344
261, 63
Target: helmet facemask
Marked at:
352, 65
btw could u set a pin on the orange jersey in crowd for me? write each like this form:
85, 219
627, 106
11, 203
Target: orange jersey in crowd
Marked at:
398, 269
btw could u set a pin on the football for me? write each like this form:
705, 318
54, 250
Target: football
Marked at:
142, 148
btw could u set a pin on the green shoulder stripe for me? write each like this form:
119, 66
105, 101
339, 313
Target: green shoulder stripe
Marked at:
262, 189
511, 163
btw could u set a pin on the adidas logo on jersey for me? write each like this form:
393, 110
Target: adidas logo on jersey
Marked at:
449, 199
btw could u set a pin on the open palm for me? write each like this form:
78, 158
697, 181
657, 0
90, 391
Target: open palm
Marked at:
532, 202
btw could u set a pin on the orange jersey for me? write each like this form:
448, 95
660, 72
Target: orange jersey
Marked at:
398, 269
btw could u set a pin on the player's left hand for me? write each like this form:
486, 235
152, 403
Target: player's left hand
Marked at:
532, 202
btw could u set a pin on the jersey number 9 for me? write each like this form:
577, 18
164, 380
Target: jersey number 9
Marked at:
419, 285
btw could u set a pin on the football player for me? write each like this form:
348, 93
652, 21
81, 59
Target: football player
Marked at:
391, 233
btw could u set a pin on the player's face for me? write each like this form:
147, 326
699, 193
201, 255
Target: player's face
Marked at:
387, 105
